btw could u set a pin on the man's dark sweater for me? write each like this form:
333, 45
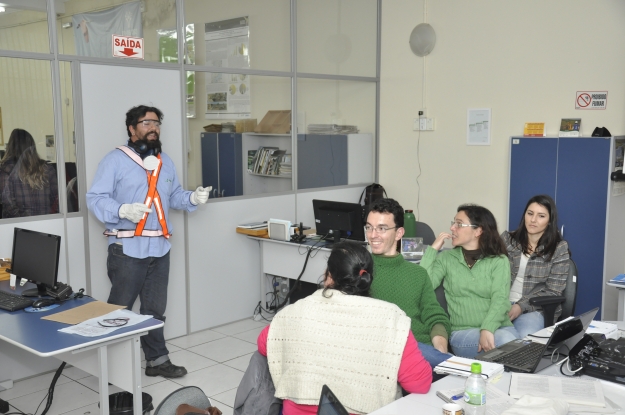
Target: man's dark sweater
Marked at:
408, 286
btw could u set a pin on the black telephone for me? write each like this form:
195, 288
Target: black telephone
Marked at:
60, 291
582, 352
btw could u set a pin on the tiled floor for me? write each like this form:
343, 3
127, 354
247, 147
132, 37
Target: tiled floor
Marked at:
215, 359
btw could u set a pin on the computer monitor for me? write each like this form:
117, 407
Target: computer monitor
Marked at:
338, 220
36, 259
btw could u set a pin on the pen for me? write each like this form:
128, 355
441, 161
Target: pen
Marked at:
453, 398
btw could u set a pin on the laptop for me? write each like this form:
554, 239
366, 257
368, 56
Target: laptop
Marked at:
329, 404
532, 356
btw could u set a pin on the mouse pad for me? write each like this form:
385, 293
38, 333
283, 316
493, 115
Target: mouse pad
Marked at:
38, 310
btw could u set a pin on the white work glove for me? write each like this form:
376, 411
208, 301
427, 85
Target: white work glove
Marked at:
133, 212
200, 196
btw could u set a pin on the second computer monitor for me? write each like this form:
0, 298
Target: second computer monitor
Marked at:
36, 259
331, 216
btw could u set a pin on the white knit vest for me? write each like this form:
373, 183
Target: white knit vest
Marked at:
352, 344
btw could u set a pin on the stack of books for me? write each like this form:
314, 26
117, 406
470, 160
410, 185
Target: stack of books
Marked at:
461, 366
267, 161
332, 129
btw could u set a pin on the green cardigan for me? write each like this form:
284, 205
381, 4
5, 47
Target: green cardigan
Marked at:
407, 285
477, 297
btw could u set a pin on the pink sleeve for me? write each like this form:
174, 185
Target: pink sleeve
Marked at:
262, 341
415, 373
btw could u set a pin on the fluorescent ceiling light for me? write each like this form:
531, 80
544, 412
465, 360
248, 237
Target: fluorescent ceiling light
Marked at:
2, 9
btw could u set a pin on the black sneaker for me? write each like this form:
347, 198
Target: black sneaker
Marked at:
166, 370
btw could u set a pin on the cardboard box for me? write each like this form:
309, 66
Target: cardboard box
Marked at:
261, 233
245, 126
275, 122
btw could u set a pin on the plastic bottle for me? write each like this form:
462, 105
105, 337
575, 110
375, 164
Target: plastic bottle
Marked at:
475, 391
410, 224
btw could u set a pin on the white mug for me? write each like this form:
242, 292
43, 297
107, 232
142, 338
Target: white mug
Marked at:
452, 409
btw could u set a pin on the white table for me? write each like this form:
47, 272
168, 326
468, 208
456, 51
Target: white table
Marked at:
286, 259
621, 300
114, 358
430, 404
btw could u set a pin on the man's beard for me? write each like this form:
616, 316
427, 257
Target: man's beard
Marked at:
151, 144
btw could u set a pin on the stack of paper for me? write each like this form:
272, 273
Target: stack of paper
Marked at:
619, 279
581, 394
609, 330
461, 366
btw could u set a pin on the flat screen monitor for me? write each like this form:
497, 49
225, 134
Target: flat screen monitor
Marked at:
36, 259
346, 218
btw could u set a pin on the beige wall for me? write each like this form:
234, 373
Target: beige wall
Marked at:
524, 60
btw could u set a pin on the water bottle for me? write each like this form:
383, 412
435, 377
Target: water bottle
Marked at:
410, 224
475, 391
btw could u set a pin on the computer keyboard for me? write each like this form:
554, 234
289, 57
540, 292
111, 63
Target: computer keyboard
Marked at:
521, 357
13, 302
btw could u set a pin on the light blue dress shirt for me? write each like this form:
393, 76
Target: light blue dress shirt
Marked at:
119, 180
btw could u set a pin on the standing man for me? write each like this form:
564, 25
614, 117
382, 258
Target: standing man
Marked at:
132, 191
405, 284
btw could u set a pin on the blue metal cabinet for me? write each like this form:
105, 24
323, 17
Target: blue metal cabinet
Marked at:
222, 163
575, 172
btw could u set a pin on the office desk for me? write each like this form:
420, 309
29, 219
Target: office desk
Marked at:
430, 404
286, 259
112, 358
621, 300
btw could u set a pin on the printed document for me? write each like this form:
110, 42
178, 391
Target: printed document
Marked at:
571, 390
100, 326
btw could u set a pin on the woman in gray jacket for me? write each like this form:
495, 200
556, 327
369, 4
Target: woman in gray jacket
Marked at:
538, 263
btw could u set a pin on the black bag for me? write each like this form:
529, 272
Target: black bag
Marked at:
372, 193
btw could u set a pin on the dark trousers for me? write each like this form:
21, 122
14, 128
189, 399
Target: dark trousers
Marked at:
146, 278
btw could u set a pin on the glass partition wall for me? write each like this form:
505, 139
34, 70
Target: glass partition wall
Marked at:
252, 68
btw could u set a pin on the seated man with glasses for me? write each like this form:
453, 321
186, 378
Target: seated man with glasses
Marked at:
405, 284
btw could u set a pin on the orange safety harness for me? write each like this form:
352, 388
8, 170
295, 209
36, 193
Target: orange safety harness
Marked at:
151, 198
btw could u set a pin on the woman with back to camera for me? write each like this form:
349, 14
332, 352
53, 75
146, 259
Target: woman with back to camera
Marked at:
341, 337
476, 277
29, 184
539, 263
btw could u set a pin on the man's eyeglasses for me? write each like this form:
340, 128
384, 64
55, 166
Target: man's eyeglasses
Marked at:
462, 225
114, 322
149, 123
381, 230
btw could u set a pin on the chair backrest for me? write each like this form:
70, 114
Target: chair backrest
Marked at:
440, 296
570, 292
424, 231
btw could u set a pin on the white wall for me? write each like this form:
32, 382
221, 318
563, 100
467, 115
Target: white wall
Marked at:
524, 60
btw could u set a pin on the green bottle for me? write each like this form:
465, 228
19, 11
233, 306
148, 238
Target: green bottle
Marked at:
410, 224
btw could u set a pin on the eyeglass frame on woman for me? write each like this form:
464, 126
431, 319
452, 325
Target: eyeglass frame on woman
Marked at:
462, 225
379, 229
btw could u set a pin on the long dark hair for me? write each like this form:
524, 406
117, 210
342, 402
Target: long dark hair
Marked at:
490, 242
351, 267
22, 151
550, 238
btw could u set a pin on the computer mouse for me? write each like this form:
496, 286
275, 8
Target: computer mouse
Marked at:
43, 302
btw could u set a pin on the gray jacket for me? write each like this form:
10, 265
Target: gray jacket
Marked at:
255, 395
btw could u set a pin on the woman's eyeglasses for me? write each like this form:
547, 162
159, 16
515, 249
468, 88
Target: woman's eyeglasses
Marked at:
462, 225
114, 322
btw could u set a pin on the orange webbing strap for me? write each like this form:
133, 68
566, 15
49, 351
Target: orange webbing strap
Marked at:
153, 196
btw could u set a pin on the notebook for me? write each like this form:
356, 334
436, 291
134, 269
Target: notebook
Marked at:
329, 404
531, 356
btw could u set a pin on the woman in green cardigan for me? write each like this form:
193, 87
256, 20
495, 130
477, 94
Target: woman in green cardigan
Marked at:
476, 278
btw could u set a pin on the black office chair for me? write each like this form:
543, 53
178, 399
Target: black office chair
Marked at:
440, 296
567, 299
423, 230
